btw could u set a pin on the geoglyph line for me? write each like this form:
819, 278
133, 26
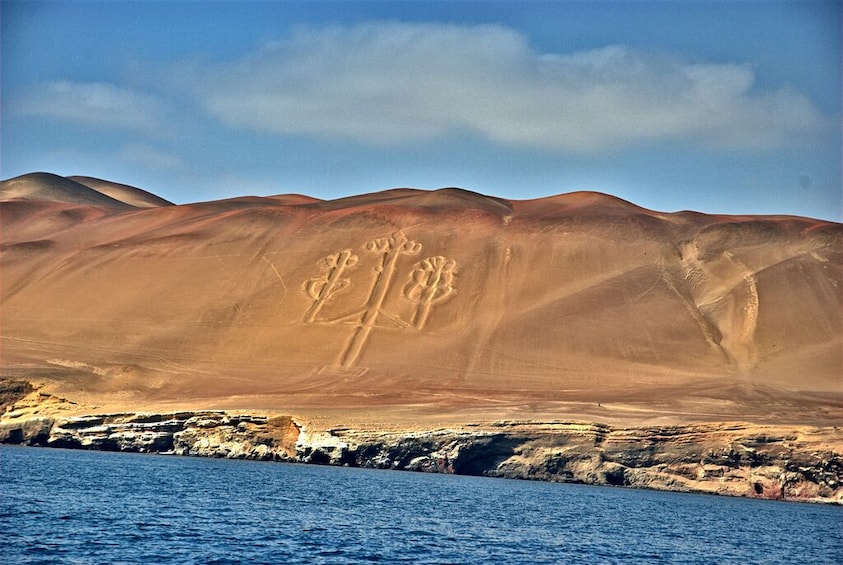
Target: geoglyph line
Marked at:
431, 283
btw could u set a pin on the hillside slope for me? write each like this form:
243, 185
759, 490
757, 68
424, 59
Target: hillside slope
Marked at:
444, 305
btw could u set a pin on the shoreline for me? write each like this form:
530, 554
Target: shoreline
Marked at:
790, 463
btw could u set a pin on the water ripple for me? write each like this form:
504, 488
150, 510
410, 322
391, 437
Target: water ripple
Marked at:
89, 508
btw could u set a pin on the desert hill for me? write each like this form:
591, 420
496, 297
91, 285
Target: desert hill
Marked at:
123, 192
77, 190
443, 304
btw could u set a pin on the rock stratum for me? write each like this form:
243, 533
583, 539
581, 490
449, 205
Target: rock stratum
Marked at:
417, 329
772, 462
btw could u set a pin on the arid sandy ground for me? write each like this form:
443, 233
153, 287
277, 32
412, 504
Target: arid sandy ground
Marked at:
408, 308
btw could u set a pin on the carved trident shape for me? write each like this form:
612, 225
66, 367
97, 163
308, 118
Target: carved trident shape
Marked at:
391, 249
432, 283
322, 288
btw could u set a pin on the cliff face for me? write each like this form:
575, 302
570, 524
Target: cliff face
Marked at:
738, 459
203, 434
801, 464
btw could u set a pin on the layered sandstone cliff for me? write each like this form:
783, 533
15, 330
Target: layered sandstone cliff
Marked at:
738, 459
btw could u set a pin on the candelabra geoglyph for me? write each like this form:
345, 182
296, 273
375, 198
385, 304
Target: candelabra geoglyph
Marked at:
430, 283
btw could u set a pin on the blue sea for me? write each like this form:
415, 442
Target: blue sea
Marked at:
59, 506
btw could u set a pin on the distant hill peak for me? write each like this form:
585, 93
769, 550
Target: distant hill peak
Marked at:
91, 191
78, 190
54, 188
123, 192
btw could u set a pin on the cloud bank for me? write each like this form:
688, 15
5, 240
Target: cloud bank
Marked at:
94, 104
392, 83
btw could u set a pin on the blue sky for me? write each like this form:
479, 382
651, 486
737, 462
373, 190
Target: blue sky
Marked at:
720, 107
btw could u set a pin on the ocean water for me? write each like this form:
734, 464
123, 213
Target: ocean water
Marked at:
59, 506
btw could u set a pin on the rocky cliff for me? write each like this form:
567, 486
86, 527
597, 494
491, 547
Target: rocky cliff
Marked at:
730, 459
775, 462
200, 433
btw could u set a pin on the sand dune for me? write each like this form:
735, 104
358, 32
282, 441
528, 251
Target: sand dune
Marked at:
53, 188
123, 192
434, 303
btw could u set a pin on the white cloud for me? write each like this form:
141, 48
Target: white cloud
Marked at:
149, 157
94, 104
387, 83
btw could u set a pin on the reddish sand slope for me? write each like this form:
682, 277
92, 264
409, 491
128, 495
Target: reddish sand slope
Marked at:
445, 304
